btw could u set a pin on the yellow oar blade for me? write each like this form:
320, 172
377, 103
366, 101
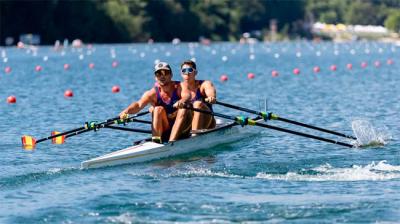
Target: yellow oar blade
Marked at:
57, 140
28, 142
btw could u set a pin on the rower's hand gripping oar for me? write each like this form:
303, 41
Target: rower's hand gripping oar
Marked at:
272, 116
246, 121
29, 142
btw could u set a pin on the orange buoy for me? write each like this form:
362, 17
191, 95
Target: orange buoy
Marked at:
11, 99
68, 93
115, 89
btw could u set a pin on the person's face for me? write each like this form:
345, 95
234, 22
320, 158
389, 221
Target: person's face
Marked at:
187, 72
163, 77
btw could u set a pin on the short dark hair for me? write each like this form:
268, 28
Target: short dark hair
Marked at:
189, 62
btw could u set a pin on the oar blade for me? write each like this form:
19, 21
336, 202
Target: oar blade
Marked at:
28, 142
57, 140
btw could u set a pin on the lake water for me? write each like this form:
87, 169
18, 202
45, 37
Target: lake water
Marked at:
270, 177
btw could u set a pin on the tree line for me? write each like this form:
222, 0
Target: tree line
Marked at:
112, 21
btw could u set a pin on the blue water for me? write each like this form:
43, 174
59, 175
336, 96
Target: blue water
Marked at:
270, 177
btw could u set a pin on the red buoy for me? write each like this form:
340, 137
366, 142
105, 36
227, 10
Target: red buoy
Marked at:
38, 68
68, 93
349, 66
316, 69
114, 64
274, 73
364, 64
115, 89
251, 76
66, 66
7, 69
11, 99
389, 62
333, 68
296, 71
223, 78
91, 65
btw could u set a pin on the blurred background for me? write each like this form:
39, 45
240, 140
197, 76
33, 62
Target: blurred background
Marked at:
125, 21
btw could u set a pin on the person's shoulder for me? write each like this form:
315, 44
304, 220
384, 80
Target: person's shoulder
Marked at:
206, 82
150, 92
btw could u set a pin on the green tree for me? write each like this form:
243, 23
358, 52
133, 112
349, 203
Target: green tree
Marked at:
393, 21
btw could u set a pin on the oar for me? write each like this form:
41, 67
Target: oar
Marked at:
29, 142
246, 121
272, 116
129, 129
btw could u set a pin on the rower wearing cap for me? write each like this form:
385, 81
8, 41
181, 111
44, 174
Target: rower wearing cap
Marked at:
201, 93
162, 97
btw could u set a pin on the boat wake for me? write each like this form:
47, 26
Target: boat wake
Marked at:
368, 136
15, 181
371, 172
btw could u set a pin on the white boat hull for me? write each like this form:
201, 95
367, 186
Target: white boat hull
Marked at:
148, 151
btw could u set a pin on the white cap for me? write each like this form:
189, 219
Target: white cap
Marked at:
162, 66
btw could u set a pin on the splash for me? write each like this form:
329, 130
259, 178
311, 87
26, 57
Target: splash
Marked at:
367, 135
371, 172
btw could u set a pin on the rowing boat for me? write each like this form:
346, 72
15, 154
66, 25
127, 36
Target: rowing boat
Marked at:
225, 132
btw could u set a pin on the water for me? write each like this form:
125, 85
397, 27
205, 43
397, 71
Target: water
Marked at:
271, 177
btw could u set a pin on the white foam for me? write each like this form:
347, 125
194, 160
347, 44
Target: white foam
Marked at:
367, 135
371, 172
202, 172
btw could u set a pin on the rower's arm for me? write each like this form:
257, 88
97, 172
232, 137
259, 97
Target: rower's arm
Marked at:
209, 90
185, 95
138, 105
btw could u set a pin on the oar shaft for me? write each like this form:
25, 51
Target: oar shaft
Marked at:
77, 133
80, 130
129, 129
315, 128
303, 134
274, 127
61, 134
139, 121
239, 108
276, 117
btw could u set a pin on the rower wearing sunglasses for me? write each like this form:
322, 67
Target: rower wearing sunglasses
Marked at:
162, 98
201, 93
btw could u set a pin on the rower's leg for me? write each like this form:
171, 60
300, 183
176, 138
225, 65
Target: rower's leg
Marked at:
182, 125
202, 120
160, 121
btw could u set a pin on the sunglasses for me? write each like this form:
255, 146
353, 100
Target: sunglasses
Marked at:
187, 70
162, 73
